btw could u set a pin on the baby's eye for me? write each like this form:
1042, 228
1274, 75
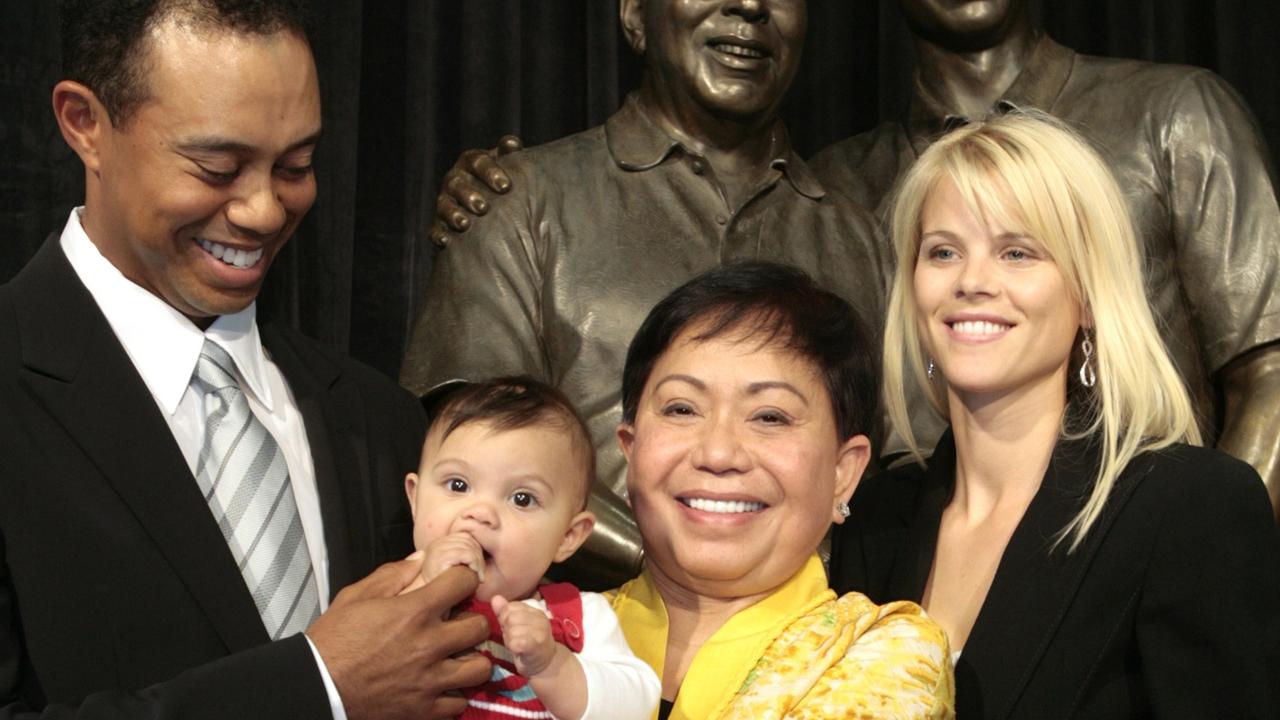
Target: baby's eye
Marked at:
524, 499
457, 485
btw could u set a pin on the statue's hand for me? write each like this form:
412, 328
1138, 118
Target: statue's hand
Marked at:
467, 188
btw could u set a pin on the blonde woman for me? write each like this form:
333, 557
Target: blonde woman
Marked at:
1084, 558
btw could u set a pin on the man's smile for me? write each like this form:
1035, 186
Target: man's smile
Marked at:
231, 256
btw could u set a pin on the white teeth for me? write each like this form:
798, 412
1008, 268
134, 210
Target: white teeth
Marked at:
232, 256
738, 50
978, 327
726, 507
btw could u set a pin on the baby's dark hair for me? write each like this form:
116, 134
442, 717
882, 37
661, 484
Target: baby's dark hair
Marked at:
511, 403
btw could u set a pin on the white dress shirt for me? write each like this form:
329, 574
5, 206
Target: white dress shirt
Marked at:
164, 346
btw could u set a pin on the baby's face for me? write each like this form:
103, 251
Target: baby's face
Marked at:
517, 492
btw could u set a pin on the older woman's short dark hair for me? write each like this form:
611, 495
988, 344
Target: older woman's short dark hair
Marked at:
775, 304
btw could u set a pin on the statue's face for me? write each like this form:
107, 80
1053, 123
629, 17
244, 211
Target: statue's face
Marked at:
730, 58
963, 25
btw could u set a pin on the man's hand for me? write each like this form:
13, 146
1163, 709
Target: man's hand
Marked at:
468, 186
526, 632
393, 656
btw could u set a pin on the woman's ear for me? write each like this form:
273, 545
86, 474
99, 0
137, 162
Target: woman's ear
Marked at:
631, 12
626, 439
852, 461
411, 489
579, 530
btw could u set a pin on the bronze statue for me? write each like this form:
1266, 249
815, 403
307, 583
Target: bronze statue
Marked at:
695, 170
1186, 151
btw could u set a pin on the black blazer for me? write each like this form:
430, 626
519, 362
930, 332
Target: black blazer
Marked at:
118, 594
1169, 608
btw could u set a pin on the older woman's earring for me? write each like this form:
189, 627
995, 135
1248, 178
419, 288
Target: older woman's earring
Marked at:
842, 507
1087, 376
929, 370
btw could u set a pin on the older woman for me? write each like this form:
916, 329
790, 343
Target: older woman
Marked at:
1084, 560
747, 396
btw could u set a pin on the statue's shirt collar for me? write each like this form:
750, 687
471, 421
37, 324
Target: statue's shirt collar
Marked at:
636, 143
1037, 86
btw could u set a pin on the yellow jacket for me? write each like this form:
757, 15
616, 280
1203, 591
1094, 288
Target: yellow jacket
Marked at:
802, 653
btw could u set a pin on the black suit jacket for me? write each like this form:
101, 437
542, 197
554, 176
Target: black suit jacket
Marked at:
1169, 608
118, 594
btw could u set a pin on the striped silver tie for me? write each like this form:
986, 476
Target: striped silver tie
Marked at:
244, 478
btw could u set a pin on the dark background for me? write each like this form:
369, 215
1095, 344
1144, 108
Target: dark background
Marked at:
407, 84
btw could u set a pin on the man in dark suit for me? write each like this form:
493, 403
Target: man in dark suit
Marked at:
182, 490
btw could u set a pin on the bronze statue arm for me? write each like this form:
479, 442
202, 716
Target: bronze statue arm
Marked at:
1251, 429
467, 186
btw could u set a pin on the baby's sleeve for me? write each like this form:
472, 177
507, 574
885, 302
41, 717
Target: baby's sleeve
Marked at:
620, 686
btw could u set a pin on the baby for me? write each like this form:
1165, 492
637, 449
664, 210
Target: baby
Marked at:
502, 489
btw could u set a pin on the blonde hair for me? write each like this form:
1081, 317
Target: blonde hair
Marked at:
1029, 171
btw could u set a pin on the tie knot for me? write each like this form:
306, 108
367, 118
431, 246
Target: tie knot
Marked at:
215, 369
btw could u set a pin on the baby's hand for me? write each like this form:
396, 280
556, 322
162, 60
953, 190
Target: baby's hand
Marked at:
526, 632
453, 549
417, 583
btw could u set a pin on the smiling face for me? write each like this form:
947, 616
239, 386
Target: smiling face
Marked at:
993, 309
518, 492
194, 195
725, 58
964, 25
734, 466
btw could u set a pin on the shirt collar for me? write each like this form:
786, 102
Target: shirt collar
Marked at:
162, 343
637, 143
1037, 86
792, 167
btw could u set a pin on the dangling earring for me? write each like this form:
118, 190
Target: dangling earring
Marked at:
929, 370
1088, 377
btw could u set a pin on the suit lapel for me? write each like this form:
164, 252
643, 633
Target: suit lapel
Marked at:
334, 418
78, 370
1034, 588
